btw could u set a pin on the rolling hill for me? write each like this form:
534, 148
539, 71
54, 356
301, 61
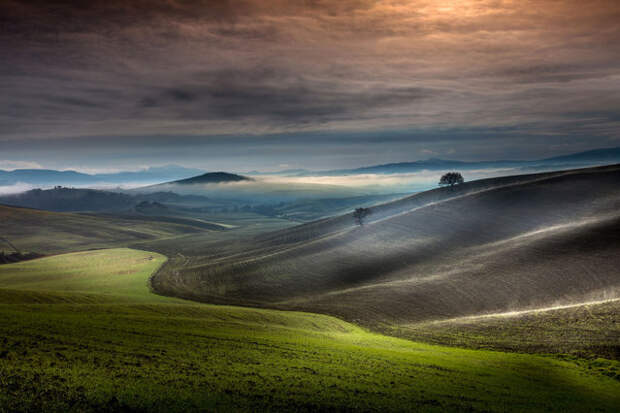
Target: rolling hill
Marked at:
170, 204
83, 332
52, 232
488, 246
62, 199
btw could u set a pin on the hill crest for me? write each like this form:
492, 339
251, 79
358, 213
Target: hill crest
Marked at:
211, 178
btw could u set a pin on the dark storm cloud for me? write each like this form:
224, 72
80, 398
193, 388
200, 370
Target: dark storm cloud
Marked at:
277, 95
180, 95
97, 68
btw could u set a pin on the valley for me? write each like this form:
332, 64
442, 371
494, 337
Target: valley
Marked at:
309, 206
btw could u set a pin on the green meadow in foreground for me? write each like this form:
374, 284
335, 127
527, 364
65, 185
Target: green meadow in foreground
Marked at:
82, 332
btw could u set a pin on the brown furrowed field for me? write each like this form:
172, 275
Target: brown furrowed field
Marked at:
586, 331
485, 247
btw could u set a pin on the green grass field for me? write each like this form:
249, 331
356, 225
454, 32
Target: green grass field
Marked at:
82, 332
110, 275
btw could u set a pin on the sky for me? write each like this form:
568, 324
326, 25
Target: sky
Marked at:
277, 84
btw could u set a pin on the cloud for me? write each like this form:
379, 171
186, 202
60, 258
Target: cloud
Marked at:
8, 165
249, 67
15, 188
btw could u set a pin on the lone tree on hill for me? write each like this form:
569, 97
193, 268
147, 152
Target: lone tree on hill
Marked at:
451, 179
360, 214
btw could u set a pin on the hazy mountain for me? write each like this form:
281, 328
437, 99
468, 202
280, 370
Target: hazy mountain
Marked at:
596, 155
593, 157
429, 164
48, 177
44, 177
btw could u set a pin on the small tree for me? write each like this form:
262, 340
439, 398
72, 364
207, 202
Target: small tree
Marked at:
451, 179
360, 214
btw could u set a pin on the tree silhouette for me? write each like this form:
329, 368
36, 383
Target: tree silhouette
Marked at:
451, 179
360, 214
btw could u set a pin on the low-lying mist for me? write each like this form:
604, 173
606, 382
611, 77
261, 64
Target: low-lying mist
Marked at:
15, 188
274, 189
286, 188
380, 184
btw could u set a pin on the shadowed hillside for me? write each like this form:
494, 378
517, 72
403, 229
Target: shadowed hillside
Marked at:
62, 199
53, 232
488, 246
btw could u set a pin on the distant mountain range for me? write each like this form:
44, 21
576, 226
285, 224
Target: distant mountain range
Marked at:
603, 154
181, 175
47, 177
593, 157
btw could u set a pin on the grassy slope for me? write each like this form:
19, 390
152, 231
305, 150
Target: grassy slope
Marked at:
487, 246
110, 275
53, 232
87, 349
